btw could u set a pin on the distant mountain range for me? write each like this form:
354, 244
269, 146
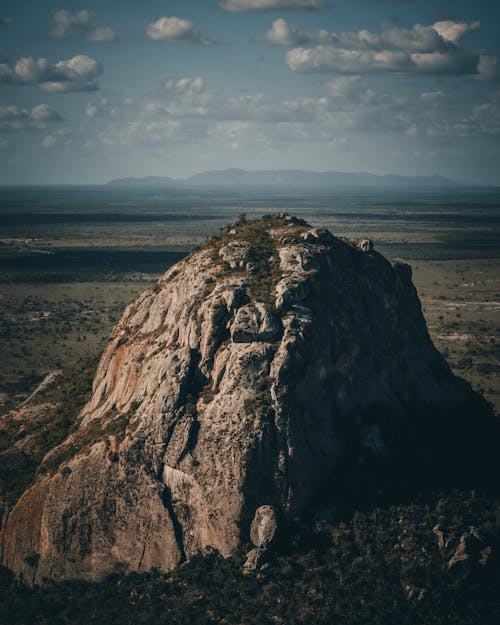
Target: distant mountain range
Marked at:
283, 178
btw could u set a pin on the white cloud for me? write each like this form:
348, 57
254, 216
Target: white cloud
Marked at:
282, 33
66, 24
330, 59
76, 74
44, 113
453, 31
422, 49
271, 5
440, 36
176, 29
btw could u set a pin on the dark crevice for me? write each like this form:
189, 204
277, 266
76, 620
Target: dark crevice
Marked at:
166, 498
193, 382
192, 439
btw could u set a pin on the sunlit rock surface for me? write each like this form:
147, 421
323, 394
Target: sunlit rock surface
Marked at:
256, 368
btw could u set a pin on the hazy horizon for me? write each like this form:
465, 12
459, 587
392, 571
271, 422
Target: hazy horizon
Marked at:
97, 91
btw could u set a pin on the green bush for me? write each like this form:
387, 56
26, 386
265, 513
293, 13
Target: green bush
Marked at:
357, 572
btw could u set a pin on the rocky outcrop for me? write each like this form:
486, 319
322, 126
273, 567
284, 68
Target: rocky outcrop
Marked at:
262, 534
250, 376
465, 553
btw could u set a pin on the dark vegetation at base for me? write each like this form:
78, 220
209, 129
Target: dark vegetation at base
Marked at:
382, 566
9, 220
64, 400
80, 264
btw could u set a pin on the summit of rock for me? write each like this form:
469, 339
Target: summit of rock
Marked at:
248, 379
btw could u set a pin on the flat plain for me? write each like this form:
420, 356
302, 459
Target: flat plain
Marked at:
73, 258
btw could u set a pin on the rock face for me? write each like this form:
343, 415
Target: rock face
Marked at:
245, 379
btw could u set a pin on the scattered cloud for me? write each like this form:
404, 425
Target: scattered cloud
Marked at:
48, 141
488, 67
271, 5
13, 117
186, 85
5, 21
66, 24
59, 139
176, 29
110, 107
76, 74
189, 98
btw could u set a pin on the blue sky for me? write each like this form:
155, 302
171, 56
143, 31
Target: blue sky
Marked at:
95, 90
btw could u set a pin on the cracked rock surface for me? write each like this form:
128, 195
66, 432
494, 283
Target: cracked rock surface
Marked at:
243, 379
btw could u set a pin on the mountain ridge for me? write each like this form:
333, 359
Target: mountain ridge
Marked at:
283, 177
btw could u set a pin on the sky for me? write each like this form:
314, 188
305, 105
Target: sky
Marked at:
93, 90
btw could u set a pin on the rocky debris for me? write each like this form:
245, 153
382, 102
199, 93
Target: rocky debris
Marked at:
415, 593
317, 235
255, 322
297, 261
256, 558
439, 534
291, 220
470, 547
366, 245
235, 254
464, 553
223, 391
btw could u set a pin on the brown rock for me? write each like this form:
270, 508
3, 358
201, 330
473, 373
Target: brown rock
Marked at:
209, 403
255, 322
264, 526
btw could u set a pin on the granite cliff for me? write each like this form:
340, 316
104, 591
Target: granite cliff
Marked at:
267, 368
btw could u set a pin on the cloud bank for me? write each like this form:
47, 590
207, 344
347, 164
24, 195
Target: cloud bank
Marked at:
434, 49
